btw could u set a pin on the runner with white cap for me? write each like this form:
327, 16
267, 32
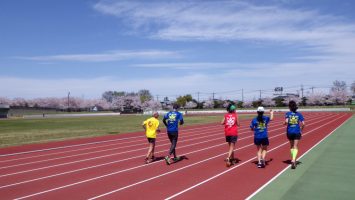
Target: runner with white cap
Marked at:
259, 126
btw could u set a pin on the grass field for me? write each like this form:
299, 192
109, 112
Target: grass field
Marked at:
326, 172
24, 131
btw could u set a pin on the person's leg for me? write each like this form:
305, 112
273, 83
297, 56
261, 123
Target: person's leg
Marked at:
231, 149
295, 150
173, 139
264, 145
291, 147
153, 148
258, 154
149, 154
263, 154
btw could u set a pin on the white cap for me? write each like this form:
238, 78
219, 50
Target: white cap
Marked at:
260, 109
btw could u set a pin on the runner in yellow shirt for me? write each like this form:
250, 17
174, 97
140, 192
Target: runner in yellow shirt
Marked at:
151, 127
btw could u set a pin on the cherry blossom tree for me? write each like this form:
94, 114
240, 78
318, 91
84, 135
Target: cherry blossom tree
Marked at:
268, 102
248, 104
339, 97
151, 105
19, 102
4, 100
297, 99
208, 104
190, 105
316, 99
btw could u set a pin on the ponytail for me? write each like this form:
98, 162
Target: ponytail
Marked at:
260, 117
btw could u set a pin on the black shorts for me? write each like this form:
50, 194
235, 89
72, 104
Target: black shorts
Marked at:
231, 139
261, 141
151, 140
294, 136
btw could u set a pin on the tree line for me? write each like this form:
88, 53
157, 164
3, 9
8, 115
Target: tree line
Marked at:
122, 101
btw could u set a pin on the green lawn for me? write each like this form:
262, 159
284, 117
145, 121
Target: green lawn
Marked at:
327, 172
23, 131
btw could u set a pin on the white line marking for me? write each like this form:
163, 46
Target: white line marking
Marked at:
155, 177
128, 159
217, 175
84, 144
279, 174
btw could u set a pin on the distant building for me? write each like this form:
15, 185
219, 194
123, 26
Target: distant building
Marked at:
4, 110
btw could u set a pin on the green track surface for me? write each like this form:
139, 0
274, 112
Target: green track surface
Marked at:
326, 172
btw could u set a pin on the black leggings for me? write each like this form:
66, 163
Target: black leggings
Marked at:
173, 139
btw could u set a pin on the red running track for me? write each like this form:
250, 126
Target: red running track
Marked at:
112, 167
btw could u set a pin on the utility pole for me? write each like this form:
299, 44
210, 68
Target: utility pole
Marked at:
68, 100
312, 89
242, 95
198, 97
157, 97
260, 95
213, 96
302, 91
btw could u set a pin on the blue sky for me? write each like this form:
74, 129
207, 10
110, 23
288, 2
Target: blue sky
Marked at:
48, 48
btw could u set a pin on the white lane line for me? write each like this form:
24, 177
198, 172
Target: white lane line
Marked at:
21, 172
83, 144
188, 166
96, 147
279, 174
99, 151
124, 160
100, 165
114, 173
222, 173
116, 148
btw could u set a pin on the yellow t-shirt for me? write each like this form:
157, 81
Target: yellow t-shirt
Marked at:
151, 126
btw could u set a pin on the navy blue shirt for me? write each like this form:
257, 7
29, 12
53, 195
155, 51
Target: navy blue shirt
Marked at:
171, 120
260, 128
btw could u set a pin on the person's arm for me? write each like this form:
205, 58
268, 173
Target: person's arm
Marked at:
181, 121
271, 115
164, 121
223, 121
302, 122
286, 119
144, 127
252, 125
158, 129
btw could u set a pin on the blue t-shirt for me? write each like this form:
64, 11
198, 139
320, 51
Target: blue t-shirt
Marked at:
294, 120
260, 128
172, 119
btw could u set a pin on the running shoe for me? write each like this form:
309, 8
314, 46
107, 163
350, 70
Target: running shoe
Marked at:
293, 165
167, 160
233, 161
177, 158
228, 162
259, 165
263, 164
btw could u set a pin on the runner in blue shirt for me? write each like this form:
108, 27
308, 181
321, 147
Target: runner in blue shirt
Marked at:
259, 126
295, 124
172, 120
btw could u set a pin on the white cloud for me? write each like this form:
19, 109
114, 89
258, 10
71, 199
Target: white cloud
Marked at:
107, 56
250, 77
234, 20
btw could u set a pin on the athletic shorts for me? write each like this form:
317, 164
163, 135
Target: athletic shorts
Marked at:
261, 141
151, 140
294, 136
231, 139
